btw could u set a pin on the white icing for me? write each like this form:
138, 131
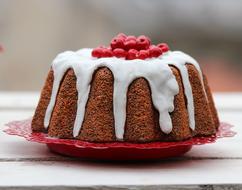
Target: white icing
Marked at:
156, 71
180, 60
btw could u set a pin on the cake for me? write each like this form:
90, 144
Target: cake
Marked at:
131, 91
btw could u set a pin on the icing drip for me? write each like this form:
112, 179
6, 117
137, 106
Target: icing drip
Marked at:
180, 60
156, 71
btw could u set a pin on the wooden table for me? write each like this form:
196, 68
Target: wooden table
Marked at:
26, 165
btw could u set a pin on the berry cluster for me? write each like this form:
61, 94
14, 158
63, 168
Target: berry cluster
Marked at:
130, 47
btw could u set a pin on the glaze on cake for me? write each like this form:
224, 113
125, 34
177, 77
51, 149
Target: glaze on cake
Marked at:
173, 97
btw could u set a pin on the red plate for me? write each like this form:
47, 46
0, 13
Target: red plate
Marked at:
114, 150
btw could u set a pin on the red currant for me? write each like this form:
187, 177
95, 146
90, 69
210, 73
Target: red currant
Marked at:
143, 42
132, 54
97, 52
121, 36
164, 47
155, 51
130, 44
130, 38
117, 43
143, 54
118, 52
107, 52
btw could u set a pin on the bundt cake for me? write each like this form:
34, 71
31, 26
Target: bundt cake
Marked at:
131, 91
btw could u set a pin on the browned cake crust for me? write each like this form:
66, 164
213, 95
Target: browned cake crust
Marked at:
203, 118
98, 123
211, 103
38, 119
179, 116
64, 112
142, 119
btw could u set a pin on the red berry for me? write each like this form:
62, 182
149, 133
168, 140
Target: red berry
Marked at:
132, 54
164, 47
122, 36
155, 51
130, 38
1, 48
107, 52
117, 43
130, 44
118, 52
143, 54
143, 42
97, 52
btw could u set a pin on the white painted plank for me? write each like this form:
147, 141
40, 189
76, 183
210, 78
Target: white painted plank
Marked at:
18, 100
10, 115
13, 147
29, 100
90, 173
226, 147
208, 164
232, 100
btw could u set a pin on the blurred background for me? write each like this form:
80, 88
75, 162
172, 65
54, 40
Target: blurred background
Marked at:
33, 32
